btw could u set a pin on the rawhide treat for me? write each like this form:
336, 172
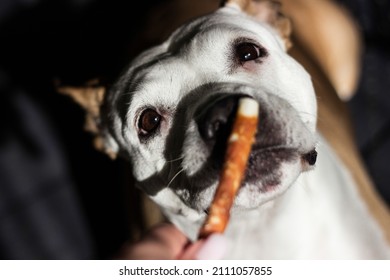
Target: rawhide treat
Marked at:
237, 154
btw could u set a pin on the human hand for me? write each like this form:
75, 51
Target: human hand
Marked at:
166, 242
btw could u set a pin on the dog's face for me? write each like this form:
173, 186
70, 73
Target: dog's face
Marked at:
171, 112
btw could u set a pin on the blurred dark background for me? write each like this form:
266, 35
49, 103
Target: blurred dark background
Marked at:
59, 197
370, 107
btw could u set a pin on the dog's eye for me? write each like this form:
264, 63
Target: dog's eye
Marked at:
149, 121
247, 51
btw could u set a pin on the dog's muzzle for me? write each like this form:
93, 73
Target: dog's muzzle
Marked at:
215, 120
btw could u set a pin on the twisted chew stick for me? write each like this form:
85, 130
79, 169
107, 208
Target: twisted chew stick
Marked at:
233, 171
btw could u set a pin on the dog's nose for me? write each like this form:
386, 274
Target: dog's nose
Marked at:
215, 121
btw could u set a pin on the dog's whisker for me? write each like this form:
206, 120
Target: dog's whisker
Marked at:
306, 113
176, 159
174, 177
169, 161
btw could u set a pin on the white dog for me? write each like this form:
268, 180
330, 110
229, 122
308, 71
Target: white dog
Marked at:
170, 113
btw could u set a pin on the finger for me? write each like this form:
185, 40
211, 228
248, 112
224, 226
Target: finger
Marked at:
190, 250
164, 242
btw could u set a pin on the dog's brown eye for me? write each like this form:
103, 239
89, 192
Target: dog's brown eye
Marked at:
247, 52
149, 121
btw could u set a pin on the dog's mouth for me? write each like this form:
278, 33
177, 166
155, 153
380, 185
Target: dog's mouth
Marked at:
282, 143
281, 137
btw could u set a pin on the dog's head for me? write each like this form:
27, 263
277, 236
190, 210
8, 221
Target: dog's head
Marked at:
171, 111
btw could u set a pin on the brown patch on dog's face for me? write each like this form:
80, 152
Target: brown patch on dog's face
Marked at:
266, 11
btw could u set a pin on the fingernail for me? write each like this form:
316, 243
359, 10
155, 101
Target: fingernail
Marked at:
214, 248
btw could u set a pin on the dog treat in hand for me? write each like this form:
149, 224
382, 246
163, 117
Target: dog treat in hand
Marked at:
233, 171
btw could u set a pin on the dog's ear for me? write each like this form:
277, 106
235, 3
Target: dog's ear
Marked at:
90, 97
266, 11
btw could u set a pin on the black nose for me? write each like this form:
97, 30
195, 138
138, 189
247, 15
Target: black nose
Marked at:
311, 157
215, 119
